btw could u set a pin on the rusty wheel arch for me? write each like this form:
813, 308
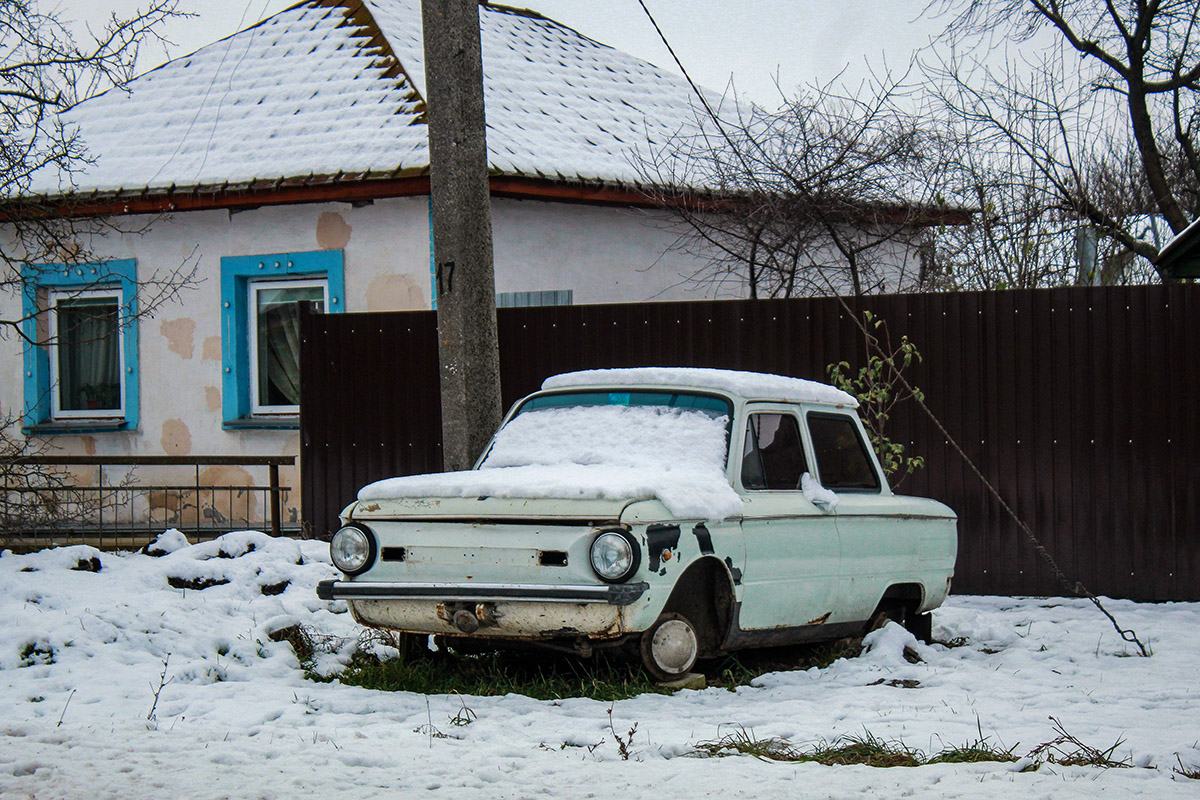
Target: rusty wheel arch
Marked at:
704, 594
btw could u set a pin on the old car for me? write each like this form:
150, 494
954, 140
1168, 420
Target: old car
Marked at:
680, 513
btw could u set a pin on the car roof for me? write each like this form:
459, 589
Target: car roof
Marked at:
745, 385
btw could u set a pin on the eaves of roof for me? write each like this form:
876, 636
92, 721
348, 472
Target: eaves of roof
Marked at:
1180, 258
322, 189
366, 188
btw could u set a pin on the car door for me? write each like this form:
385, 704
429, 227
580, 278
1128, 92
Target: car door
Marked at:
792, 546
878, 544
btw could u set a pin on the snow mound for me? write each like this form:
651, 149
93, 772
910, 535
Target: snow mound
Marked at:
167, 542
886, 646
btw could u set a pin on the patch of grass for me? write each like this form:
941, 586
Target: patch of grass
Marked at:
824, 655
957, 641
1068, 751
1184, 771
269, 589
223, 553
728, 673
36, 653
743, 667
542, 676
976, 752
867, 750
196, 584
900, 683
742, 741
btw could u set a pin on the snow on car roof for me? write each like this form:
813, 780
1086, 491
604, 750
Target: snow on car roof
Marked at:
749, 385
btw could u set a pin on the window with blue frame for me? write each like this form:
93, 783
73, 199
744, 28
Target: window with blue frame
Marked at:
260, 330
81, 358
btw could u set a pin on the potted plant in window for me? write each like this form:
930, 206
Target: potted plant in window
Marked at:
99, 396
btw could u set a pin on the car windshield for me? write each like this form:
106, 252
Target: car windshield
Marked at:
628, 429
707, 404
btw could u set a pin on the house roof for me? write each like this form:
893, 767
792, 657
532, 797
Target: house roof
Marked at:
330, 92
1180, 257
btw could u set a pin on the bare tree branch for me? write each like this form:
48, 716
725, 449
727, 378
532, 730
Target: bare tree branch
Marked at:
1123, 80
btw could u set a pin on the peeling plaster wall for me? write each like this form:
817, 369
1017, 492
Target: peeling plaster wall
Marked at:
602, 254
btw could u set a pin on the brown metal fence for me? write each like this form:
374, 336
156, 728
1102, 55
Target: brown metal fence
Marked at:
123, 502
1082, 405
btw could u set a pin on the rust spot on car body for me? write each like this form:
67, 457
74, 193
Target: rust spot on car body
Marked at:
821, 620
660, 539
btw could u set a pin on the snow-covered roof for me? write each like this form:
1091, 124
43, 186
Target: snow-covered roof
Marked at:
1180, 257
334, 90
748, 385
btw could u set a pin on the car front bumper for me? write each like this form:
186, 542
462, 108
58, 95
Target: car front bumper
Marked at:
617, 594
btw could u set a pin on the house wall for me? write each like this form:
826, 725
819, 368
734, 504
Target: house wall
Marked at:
602, 254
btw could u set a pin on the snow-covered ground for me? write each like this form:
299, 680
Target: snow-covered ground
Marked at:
82, 654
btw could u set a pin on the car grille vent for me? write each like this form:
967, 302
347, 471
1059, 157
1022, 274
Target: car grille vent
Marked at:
393, 554
552, 558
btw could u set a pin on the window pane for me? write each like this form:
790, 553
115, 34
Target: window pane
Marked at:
278, 342
841, 455
89, 361
706, 404
773, 457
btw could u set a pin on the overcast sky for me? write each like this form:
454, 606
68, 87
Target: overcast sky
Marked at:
752, 41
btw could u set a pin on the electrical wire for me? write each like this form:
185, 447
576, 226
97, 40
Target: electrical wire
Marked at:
1077, 587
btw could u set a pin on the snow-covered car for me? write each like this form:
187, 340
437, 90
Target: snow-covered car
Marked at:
684, 512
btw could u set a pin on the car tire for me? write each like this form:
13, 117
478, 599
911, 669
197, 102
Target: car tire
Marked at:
670, 647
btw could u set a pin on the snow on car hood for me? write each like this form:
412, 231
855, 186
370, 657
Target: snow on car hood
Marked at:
593, 453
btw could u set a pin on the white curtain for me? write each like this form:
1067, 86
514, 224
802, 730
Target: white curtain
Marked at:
88, 345
279, 341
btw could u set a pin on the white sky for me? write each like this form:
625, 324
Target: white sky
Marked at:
801, 41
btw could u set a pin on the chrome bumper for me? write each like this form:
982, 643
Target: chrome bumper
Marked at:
616, 594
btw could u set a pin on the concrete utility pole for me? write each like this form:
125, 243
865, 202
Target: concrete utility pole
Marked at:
462, 229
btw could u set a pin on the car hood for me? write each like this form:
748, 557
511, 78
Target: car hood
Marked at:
687, 492
501, 509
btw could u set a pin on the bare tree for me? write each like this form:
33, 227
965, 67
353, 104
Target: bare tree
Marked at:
829, 194
1100, 127
45, 71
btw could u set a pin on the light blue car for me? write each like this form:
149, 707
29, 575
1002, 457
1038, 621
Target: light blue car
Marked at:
682, 512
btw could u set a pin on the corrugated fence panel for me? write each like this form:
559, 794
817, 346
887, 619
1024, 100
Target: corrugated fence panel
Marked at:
1081, 405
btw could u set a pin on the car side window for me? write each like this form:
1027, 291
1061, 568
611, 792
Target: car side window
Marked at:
841, 454
773, 457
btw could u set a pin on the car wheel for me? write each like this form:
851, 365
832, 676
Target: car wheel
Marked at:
670, 647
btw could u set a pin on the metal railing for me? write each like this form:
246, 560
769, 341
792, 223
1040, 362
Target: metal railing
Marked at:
46, 501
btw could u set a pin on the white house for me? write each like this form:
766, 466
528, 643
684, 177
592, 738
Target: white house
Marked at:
290, 162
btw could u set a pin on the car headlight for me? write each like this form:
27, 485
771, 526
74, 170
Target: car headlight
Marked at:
352, 549
615, 556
